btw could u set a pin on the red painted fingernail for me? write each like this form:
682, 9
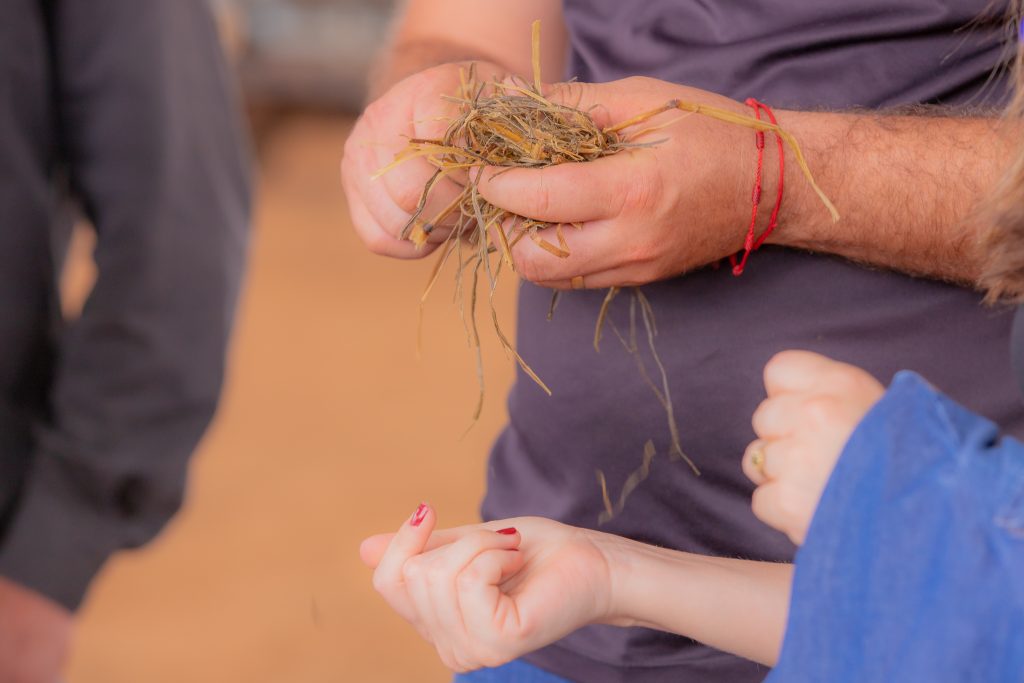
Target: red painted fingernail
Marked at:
419, 515
507, 532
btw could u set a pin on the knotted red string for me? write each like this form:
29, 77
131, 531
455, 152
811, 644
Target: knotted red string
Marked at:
753, 242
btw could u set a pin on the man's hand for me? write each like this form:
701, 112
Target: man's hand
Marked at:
813, 406
414, 108
648, 213
35, 636
486, 594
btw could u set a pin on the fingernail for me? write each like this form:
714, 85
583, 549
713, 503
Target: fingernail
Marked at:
419, 515
507, 532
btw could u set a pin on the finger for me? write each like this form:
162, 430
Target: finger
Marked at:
778, 416
602, 102
775, 457
593, 248
565, 193
797, 371
410, 541
485, 608
765, 503
379, 240
616, 277
753, 462
372, 548
431, 580
392, 197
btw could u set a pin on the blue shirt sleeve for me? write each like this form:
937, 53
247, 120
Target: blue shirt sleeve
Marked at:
912, 567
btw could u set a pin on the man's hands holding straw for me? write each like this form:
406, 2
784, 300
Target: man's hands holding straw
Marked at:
679, 201
381, 206
645, 214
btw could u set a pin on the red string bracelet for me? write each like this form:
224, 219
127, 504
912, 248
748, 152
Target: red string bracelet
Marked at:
753, 242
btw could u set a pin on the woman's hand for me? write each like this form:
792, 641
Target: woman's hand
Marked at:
647, 214
413, 108
813, 405
486, 594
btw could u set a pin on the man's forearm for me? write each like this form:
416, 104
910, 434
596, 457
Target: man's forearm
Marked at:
906, 186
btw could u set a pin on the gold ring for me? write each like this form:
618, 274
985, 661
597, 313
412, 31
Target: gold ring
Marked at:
577, 282
757, 459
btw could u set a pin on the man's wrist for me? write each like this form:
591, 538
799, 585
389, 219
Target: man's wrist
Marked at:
802, 213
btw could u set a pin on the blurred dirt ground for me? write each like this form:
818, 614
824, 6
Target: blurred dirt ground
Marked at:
329, 430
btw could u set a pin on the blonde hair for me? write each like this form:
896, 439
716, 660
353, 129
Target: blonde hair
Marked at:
1003, 241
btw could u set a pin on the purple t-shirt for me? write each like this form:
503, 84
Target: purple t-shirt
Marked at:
717, 331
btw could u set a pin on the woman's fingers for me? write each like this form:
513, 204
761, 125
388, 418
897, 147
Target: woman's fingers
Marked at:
407, 543
753, 462
779, 416
373, 547
432, 579
797, 371
766, 460
485, 608
766, 504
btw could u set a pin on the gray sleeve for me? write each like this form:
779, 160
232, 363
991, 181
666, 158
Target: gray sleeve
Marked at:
157, 158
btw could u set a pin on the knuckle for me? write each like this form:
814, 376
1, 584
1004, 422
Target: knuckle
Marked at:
539, 203
779, 363
528, 265
821, 410
379, 242
413, 570
380, 583
377, 110
468, 578
406, 195
761, 419
433, 575
641, 194
528, 627
844, 380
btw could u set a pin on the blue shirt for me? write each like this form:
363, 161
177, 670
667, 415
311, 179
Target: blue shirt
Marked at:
912, 567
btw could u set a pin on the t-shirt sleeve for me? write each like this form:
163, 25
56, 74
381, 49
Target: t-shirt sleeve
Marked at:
910, 570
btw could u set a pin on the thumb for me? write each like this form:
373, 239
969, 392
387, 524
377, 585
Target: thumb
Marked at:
372, 549
410, 539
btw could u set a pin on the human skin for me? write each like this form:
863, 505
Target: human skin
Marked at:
35, 635
484, 598
813, 405
906, 204
906, 201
